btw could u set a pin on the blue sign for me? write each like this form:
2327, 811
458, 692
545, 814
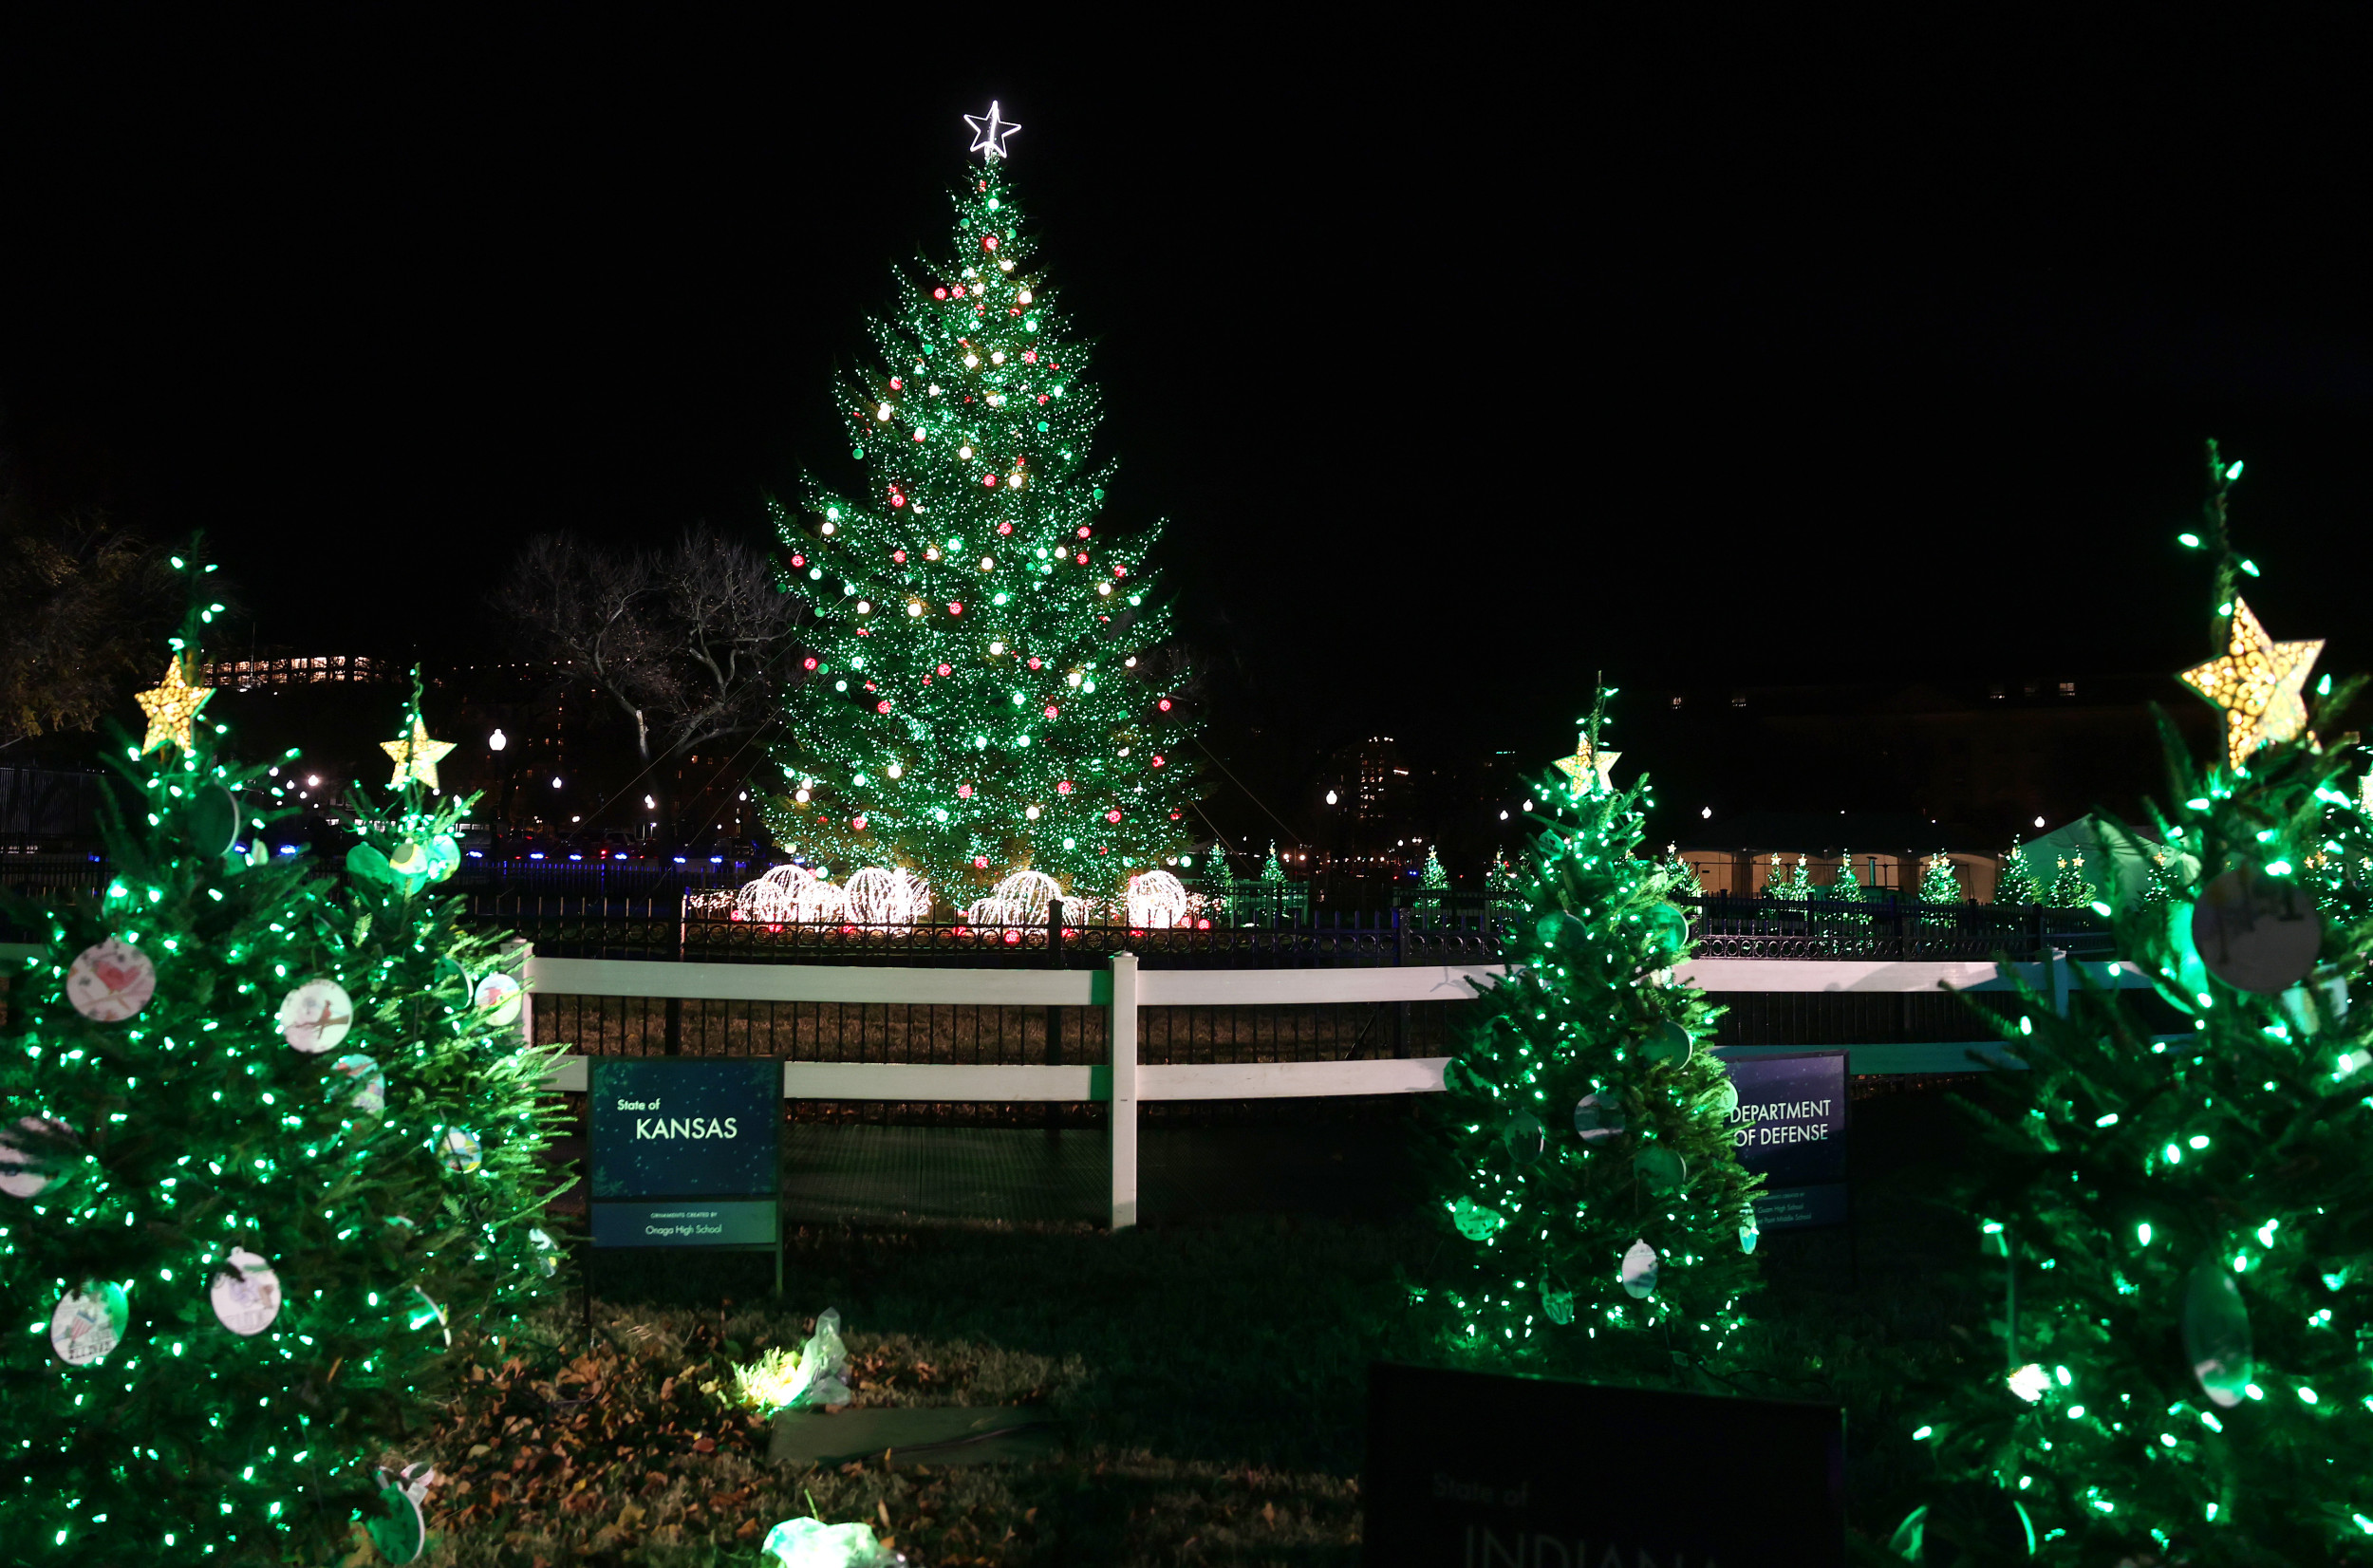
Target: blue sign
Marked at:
1789, 1127
666, 1131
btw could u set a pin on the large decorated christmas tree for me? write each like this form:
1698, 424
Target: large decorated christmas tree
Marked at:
216, 1183
2188, 1220
974, 699
1595, 1216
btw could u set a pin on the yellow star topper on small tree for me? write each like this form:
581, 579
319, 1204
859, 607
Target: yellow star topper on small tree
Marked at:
416, 756
172, 708
1590, 759
2257, 683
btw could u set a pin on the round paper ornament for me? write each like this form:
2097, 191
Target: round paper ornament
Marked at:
88, 1323
2256, 932
1668, 1042
18, 1176
409, 862
368, 1092
444, 857
1660, 1169
1749, 1236
1525, 1137
397, 1529
247, 1295
1599, 1115
213, 820
110, 980
1475, 1221
2216, 1334
368, 864
500, 995
1638, 1273
460, 1149
1725, 1097
1555, 1299
425, 1312
1668, 931
316, 1016
545, 1249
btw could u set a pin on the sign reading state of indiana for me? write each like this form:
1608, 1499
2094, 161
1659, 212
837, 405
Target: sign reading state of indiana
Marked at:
684, 1153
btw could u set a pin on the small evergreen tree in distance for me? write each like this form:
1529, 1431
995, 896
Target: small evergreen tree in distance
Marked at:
1681, 879
1593, 1215
1501, 880
2070, 889
1846, 889
1273, 871
2188, 1217
1432, 875
1940, 881
2017, 884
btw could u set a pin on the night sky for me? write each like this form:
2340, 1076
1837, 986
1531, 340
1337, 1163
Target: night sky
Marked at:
1461, 367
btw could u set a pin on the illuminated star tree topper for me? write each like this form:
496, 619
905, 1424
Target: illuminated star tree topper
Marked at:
2258, 685
416, 756
989, 133
171, 707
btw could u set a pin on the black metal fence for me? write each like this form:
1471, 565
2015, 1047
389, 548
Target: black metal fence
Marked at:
1724, 926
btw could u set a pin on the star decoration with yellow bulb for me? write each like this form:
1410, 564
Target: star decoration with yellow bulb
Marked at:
172, 708
416, 756
1584, 763
2257, 683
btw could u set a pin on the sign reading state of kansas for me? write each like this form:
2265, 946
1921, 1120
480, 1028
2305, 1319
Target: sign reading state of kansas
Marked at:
684, 1153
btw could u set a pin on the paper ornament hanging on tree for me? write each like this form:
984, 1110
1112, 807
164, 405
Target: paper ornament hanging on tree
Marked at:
89, 1324
460, 1149
1639, 1271
2216, 1334
398, 1529
1660, 1169
1668, 1042
500, 995
2256, 932
545, 1249
18, 1177
1474, 1221
1599, 1116
1525, 1137
213, 820
368, 1093
316, 1017
246, 1296
110, 980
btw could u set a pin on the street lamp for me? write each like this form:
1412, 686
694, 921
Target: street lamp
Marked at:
498, 741
1330, 798
495, 742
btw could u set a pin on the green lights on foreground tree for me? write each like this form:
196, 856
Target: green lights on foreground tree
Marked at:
2187, 1220
983, 691
1595, 1216
236, 1201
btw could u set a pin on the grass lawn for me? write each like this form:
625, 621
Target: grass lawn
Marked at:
1211, 1377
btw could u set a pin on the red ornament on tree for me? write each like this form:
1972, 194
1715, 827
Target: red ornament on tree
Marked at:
897, 499
963, 792
980, 863
899, 556
858, 822
990, 480
988, 242
1006, 528
1083, 530
883, 707
811, 663
1157, 761
1083, 557
1064, 788
955, 609
946, 670
939, 293
1034, 663
799, 560
1042, 397
1164, 704
1113, 816
1052, 710
896, 384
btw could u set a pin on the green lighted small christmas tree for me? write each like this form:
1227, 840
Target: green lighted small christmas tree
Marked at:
2070, 889
1795, 884
1499, 882
1273, 869
979, 694
2017, 884
1845, 889
1433, 876
1595, 1216
1940, 881
2187, 1223
1681, 880
466, 1103
207, 1220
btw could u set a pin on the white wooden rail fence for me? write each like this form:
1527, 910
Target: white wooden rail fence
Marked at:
1122, 988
